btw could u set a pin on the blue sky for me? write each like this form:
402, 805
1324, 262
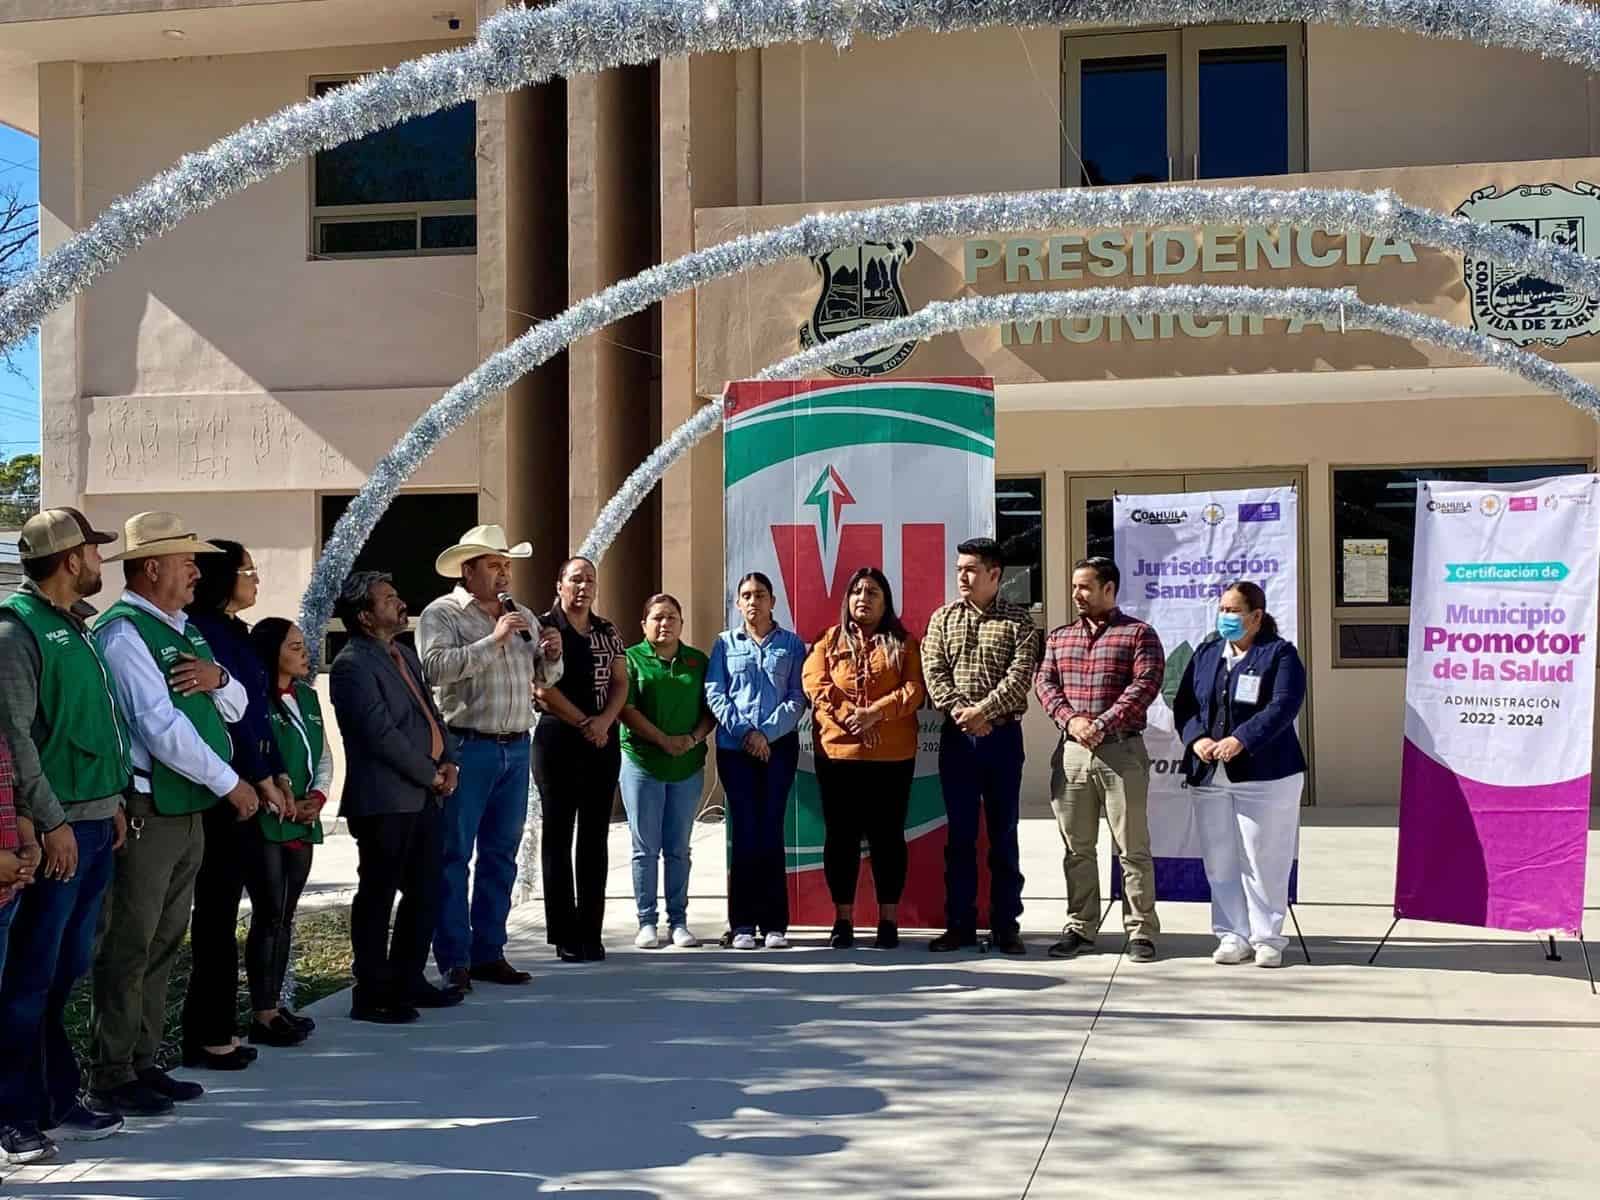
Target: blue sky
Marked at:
19, 398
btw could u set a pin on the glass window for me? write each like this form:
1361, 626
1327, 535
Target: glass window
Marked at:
1019, 528
1208, 102
1374, 516
1243, 112
411, 189
1123, 120
407, 539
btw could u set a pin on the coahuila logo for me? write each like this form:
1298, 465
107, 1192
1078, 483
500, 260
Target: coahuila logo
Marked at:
1513, 305
1213, 514
1490, 505
1158, 516
860, 287
829, 497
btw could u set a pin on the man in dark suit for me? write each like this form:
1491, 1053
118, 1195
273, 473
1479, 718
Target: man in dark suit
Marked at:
399, 768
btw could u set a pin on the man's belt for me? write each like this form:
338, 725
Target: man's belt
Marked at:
477, 735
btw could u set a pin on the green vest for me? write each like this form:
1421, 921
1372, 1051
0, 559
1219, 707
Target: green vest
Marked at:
171, 793
301, 752
85, 753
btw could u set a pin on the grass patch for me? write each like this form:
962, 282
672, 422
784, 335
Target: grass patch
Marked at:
320, 957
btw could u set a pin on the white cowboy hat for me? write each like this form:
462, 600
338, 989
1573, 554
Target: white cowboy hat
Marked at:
153, 534
474, 543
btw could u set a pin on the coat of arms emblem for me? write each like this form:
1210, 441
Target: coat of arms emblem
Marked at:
860, 287
1512, 305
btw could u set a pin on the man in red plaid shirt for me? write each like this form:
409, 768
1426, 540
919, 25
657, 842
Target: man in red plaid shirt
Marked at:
1098, 678
19, 850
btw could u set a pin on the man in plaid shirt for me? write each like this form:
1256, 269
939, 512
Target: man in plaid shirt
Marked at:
977, 660
19, 852
1098, 678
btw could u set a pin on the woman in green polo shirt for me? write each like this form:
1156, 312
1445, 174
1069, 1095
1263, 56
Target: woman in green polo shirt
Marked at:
665, 727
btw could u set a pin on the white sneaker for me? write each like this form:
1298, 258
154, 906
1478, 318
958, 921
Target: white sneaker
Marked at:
744, 941
777, 941
1231, 950
682, 938
1269, 956
647, 939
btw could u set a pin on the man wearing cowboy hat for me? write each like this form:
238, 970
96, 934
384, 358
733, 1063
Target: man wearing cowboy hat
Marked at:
177, 702
70, 747
480, 655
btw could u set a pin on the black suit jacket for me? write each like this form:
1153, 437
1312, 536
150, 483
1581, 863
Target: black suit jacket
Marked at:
386, 740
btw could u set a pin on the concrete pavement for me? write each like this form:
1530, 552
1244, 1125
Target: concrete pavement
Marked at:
1463, 1064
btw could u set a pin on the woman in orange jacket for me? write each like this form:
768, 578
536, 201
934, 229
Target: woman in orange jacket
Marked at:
864, 680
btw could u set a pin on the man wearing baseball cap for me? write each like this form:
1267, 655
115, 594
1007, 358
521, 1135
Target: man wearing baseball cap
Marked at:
177, 702
70, 748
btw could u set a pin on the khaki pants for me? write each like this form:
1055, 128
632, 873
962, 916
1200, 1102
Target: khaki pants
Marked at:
141, 929
1114, 779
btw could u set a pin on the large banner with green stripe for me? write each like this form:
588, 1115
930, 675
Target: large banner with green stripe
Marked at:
822, 477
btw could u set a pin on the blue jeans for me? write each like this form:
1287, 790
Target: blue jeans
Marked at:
758, 798
488, 809
661, 819
52, 946
982, 772
8, 914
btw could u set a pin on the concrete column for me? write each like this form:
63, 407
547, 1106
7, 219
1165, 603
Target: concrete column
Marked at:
65, 438
522, 277
614, 387
703, 164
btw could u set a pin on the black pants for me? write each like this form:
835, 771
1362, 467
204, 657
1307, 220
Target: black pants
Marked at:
577, 788
758, 801
274, 875
397, 852
864, 799
210, 1006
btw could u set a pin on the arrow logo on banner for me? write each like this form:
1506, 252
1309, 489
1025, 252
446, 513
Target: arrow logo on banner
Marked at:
828, 496
1538, 572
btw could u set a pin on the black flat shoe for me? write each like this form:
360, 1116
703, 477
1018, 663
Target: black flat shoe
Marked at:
204, 1060
388, 1015
156, 1080
594, 952
888, 935
569, 954
1009, 943
305, 1023
280, 1031
425, 995
250, 1052
843, 936
953, 939
132, 1099
1072, 945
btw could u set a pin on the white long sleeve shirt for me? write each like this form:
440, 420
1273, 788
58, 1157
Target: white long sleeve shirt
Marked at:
158, 730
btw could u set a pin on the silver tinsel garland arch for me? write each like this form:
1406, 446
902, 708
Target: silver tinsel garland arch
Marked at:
1339, 211
1340, 308
523, 46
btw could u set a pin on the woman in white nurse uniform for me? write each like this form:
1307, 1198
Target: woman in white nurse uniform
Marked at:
1235, 711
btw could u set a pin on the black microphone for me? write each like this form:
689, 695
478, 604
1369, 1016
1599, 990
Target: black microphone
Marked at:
509, 607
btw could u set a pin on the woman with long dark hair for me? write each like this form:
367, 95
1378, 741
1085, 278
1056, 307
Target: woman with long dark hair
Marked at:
1235, 711
275, 874
754, 689
864, 681
576, 761
227, 586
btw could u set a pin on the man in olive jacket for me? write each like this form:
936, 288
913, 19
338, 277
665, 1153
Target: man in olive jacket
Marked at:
70, 748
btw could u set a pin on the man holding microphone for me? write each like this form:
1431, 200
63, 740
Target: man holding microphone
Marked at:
482, 657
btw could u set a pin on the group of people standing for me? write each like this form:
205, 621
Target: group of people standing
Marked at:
163, 758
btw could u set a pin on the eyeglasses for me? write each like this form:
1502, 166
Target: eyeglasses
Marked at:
249, 573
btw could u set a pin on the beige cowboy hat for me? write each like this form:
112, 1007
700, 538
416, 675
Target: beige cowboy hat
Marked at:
474, 543
153, 534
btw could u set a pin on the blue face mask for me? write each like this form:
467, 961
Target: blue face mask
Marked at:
1231, 626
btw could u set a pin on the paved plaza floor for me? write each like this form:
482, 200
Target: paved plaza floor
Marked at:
1462, 1064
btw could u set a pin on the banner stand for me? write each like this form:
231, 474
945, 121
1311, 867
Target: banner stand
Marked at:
1116, 894
1550, 956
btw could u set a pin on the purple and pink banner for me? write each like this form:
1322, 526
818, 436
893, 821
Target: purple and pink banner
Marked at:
1500, 678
